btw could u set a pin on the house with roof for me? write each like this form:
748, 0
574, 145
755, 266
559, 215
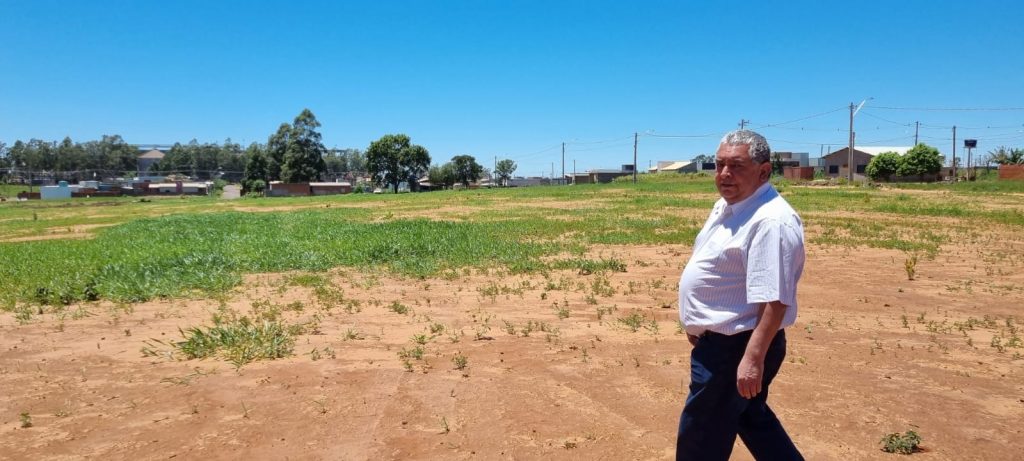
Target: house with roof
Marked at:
674, 166
837, 163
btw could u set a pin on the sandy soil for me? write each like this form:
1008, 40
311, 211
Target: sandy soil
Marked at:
872, 353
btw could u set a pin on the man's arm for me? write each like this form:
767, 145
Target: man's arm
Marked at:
751, 370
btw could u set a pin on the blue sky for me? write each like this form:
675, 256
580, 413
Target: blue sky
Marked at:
515, 79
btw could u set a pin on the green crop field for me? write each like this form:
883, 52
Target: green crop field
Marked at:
168, 247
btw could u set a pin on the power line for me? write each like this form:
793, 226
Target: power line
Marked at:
770, 125
951, 109
885, 119
709, 135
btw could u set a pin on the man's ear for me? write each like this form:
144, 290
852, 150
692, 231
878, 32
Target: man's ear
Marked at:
766, 171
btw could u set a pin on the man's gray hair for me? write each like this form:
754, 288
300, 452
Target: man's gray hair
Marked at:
759, 150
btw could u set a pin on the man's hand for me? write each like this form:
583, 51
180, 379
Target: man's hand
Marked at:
693, 339
751, 369
748, 377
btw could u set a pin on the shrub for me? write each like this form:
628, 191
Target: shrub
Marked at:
883, 166
920, 160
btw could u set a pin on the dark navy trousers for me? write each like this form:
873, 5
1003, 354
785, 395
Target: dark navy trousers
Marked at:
715, 413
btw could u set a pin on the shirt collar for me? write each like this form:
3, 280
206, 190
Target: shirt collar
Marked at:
746, 203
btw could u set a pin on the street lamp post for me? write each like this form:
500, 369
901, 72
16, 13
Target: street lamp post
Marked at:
852, 135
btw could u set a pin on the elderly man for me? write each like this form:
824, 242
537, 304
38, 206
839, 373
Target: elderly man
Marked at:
736, 296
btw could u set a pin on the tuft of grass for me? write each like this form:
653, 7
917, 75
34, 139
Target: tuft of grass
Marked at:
398, 308
910, 266
240, 341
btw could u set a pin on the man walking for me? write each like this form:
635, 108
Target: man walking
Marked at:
736, 296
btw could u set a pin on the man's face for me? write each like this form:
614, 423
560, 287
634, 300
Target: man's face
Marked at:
737, 176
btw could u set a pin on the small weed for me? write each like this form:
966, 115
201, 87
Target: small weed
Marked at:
460, 361
633, 321
398, 308
414, 353
903, 444
444, 426
320, 405
910, 266
352, 335
26, 420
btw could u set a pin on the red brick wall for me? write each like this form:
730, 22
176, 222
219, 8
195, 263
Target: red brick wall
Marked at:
281, 190
802, 173
1011, 172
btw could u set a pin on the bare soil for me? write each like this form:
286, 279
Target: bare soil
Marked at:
872, 353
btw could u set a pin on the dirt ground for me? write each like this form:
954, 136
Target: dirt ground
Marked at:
872, 353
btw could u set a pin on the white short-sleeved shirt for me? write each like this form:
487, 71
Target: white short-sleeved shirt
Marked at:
748, 253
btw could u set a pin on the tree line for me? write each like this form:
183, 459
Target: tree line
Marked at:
294, 153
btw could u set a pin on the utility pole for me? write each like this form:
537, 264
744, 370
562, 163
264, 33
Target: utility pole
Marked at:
743, 123
850, 146
553, 169
574, 172
954, 153
495, 170
563, 164
917, 127
853, 111
635, 137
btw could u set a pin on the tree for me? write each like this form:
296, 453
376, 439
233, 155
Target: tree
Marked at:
1006, 156
466, 169
443, 176
920, 160
704, 158
777, 165
230, 161
883, 166
304, 154
504, 169
393, 159
256, 169
277, 144
344, 162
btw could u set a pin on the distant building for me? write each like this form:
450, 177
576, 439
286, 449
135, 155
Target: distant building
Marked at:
674, 166
146, 160
305, 189
520, 181
793, 159
836, 164
604, 176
